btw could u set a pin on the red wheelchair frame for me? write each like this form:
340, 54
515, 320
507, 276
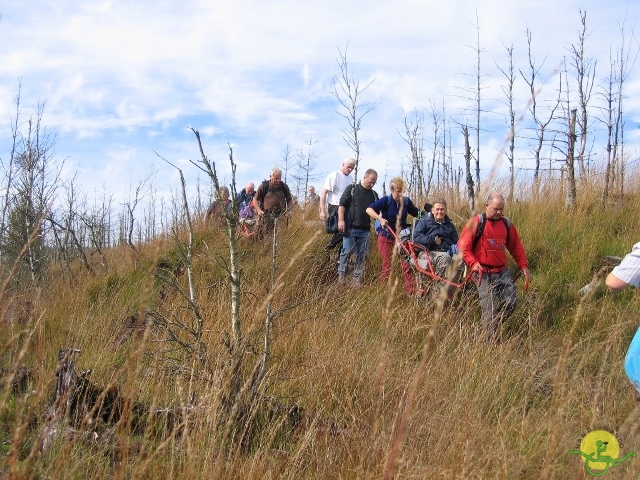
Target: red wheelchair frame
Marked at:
410, 253
247, 231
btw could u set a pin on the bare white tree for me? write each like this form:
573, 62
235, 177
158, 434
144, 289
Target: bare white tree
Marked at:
347, 90
508, 90
585, 71
531, 78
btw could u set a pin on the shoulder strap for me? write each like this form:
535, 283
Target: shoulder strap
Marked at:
285, 189
507, 224
479, 229
353, 190
265, 189
482, 217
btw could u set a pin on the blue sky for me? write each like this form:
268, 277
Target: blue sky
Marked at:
124, 79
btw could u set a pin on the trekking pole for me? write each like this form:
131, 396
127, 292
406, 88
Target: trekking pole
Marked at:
526, 280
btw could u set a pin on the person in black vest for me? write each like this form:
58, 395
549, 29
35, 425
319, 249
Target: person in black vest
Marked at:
272, 200
356, 225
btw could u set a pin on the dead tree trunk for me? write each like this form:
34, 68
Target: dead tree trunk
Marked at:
413, 137
585, 73
467, 163
478, 106
347, 91
509, 94
570, 200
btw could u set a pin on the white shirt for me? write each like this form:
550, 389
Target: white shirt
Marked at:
336, 183
629, 269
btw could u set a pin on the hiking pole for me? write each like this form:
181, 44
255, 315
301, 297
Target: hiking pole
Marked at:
479, 281
526, 280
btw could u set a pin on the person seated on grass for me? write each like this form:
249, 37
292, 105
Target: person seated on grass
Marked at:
438, 234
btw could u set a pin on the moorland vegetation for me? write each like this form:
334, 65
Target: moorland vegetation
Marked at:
354, 382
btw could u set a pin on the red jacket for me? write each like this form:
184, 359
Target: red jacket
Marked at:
490, 247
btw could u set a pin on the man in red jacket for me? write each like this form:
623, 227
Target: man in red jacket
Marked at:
485, 255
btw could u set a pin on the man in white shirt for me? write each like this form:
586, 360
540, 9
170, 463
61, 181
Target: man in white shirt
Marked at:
624, 275
334, 186
627, 273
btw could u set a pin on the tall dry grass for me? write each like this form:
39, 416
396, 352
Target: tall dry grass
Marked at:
375, 392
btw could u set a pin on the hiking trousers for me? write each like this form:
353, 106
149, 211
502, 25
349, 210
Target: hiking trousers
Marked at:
267, 223
357, 241
441, 262
386, 247
498, 298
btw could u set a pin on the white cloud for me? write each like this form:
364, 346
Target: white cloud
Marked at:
121, 79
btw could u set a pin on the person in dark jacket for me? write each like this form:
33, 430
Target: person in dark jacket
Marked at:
438, 234
272, 201
355, 201
219, 207
245, 195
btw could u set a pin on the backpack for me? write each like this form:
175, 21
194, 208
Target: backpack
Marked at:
266, 186
482, 217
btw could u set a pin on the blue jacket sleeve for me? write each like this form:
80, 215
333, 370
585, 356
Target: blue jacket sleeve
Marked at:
420, 232
412, 209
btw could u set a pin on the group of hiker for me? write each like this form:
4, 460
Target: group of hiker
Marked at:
256, 207
348, 209
482, 244
270, 200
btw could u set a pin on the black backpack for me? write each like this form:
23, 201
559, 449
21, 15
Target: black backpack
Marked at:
482, 218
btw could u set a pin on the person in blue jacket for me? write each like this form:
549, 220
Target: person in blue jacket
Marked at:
438, 234
391, 211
